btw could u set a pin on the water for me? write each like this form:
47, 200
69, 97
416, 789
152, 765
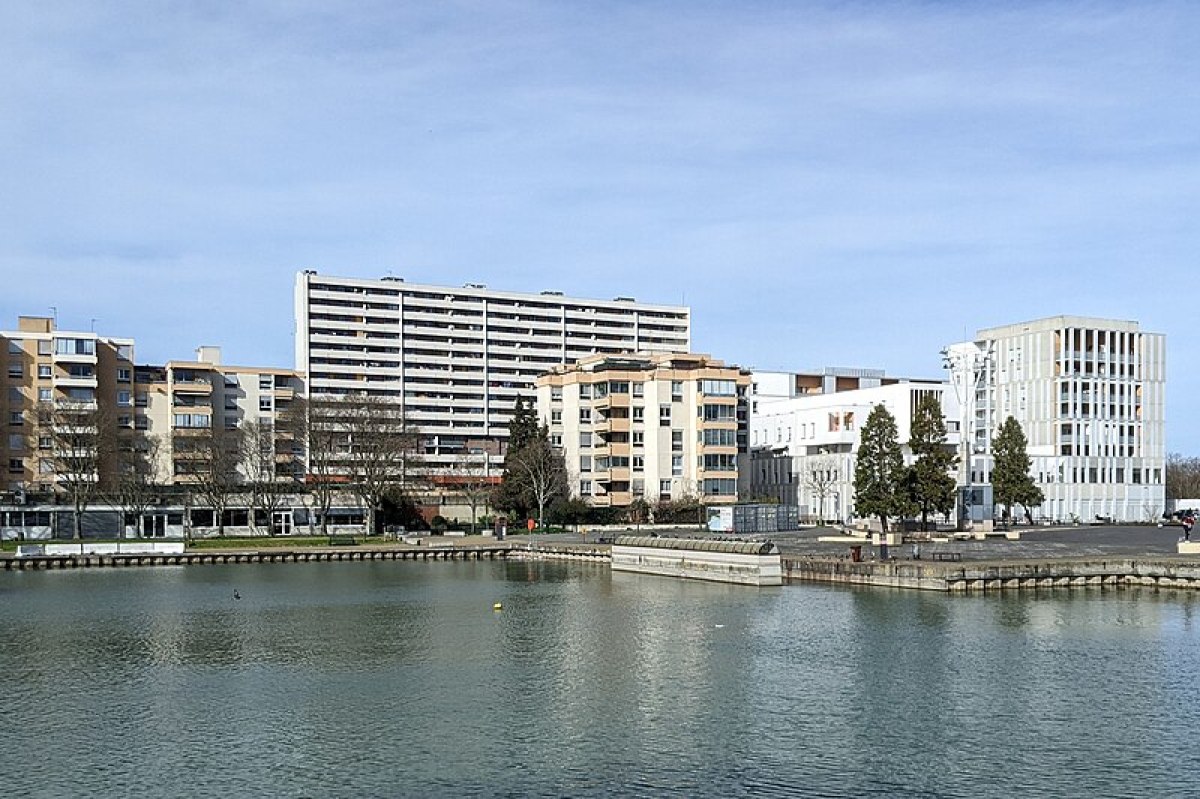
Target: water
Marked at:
398, 679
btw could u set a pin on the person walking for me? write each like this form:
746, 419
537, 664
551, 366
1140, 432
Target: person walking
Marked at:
1189, 521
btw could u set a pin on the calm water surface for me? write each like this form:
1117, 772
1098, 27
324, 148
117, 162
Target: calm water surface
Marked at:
398, 679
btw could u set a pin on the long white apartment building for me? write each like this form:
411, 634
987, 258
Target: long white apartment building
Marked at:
792, 439
1090, 396
649, 427
459, 357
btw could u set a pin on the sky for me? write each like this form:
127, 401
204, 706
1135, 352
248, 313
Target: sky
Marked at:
853, 184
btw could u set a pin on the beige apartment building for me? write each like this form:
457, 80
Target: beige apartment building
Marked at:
57, 377
184, 399
457, 358
649, 426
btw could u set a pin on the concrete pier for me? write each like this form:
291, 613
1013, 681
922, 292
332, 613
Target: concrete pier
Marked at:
741, 562
1161, 572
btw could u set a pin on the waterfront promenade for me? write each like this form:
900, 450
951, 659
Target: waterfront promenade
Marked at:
1043, 558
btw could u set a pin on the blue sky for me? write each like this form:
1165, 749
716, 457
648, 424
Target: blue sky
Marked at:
823, 183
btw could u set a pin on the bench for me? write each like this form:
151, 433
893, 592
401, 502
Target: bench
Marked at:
342, 541
947, 556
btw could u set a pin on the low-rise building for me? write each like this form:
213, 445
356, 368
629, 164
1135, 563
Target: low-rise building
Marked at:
655, 427
803, 449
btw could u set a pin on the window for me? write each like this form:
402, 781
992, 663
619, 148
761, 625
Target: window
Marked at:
835, 423
125, 421
721, 486
585, 440
264, 403
720, 438
45, 347
45, 442
16, 418
638, 389
124, 399
44, 372
664, 489
719, 388
15, 397
677, 465
639, 487
14, 346
195, 420
664, 415
676, 391
16, 441
639, 413
75, 346
16, 370
230, 403
82, 394
639, 463
556, 440
677, 441
720, 463
125, 352
16, 465
142, 399
585, 463
639, 438
82, 371
556, 393
618, 387
556, 416
585, 415
124, 375
585, 488
720, 413
585, 391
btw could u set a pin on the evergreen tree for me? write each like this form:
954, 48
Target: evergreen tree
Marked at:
930, 484
1011, 482
513, 495
879, 473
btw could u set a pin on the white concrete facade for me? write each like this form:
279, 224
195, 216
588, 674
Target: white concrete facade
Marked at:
1090, 396
790, 439
459, 357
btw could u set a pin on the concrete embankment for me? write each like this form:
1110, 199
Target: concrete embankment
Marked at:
1161, 572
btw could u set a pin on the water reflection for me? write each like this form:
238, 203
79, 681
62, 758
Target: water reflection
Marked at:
400, 679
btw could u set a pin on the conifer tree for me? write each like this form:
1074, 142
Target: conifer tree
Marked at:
879, 473
930, 484
1011, 481
513, 495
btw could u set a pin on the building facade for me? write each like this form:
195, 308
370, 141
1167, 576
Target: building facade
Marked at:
457, 358
185, 399
55, 379
803, 449
1090, 396
651, 427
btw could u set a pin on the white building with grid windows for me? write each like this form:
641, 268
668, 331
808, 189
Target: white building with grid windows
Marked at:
459, 357
1090, 396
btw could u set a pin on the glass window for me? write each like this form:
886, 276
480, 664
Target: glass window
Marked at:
44, 372
585, 391
639, 413
14, 346
45, 347
677, 441
16, 418
16, 370
638, 389
676, 390
124, 398
677, 465
16, 441
719, 388
585, 463
124, 375
585, 440
585, 488
639, 463
264, 403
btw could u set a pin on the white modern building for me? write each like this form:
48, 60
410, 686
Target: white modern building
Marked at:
1089, 394
649, 427
803, 449
459, 357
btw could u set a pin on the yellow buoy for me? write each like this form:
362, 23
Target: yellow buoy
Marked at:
497, 606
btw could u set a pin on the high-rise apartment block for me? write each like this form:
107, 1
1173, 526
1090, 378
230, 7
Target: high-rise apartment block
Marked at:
652, 427
50, 374
457, 358
1089, 394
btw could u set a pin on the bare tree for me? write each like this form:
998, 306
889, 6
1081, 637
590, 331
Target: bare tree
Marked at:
81, 439
137, 480
380, 449
474, 482
312, 423
261, 460
1183, 477
543, 471
820, 476
211, 459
